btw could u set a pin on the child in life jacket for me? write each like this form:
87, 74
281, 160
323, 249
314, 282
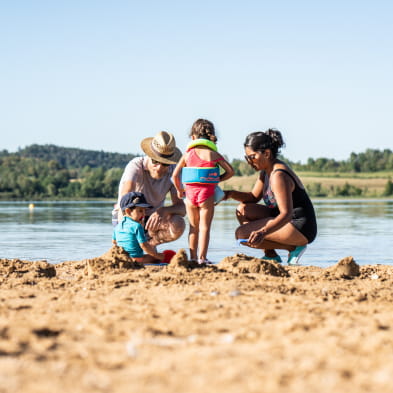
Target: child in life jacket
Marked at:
199, 172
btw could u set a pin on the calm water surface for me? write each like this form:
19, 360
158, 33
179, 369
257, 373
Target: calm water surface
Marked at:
61, 231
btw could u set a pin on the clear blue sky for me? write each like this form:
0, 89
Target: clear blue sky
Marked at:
103, 75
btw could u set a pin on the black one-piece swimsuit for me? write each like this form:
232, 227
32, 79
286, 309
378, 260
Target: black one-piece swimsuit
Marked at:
303, 216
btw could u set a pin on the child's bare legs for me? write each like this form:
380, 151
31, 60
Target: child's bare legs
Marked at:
206, 212
193, 218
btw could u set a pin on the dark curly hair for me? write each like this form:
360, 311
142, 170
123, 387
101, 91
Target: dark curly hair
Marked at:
204, 129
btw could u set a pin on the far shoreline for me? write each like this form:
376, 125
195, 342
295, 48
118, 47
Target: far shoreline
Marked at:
113, 200
325, 186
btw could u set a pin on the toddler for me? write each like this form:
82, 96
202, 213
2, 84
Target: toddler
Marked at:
130, 233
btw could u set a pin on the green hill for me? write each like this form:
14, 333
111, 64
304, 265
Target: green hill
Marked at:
71, 158
49, 171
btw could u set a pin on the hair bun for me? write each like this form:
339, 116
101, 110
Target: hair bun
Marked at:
262, 140
276, 137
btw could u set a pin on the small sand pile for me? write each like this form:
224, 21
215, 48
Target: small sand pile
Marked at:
241, 263
180, 262
26, 270
115, 259
345, 268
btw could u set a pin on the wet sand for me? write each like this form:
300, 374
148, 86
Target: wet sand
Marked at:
246, 325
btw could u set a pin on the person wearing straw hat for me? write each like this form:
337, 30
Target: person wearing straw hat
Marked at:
151, 175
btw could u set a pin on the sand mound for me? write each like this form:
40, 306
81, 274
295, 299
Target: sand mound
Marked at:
119, 257
241, 263
180, 262
26, 270
114, 260
345, 268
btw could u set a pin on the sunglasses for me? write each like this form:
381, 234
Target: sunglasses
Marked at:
250, 158
155, 162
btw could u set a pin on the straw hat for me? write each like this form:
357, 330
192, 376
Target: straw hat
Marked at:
162, 148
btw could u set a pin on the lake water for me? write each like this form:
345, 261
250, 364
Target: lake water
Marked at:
63, 231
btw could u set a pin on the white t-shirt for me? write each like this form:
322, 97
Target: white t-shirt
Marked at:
155, 190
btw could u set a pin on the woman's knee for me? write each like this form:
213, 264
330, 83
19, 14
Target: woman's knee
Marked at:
241, 212
241, 209
240, 233
248, 209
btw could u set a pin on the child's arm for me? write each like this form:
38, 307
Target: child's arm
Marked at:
229, 172
149, 249
176, 177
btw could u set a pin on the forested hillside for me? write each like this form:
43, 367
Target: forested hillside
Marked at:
49, 171
34, 178
369, 161
69, 157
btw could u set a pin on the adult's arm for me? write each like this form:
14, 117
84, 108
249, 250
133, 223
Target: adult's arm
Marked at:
163, 212
130, 176
282, 186
253, 196
228, 169
176, 177
126, 186
178, 207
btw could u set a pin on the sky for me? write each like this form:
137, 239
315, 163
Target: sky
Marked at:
102, 75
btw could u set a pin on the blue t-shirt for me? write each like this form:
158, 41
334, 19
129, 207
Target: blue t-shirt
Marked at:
129, 234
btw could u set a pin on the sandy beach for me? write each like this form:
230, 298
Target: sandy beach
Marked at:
245, 325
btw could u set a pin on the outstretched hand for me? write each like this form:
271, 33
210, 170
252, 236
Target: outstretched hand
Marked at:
226, 195
154, 222
255, 239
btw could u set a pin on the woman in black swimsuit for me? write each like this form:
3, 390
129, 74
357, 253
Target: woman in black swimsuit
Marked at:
286, 220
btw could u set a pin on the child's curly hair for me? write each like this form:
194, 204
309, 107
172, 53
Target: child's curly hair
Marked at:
204, 129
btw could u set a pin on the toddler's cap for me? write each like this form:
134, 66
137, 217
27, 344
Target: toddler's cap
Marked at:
132, 199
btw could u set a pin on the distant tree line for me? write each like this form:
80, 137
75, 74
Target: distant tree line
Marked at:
370, 161
49, 171
34, 178
317, 189
69, 157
